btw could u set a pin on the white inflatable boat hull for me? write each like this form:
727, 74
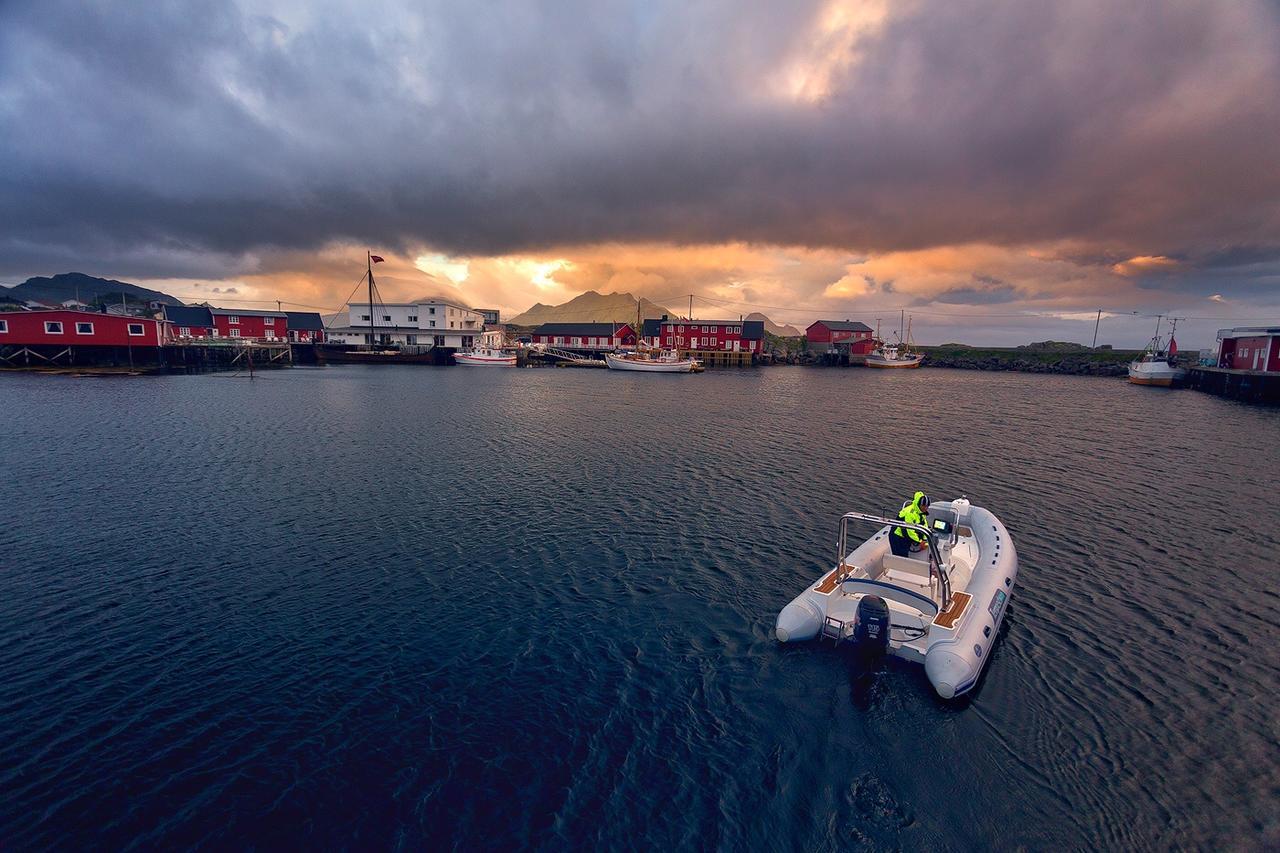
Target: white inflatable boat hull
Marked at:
958, 641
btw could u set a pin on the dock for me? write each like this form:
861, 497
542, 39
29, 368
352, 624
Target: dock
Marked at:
1247, 386
721, 358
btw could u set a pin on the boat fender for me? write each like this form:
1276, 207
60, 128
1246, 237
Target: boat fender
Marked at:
871, 626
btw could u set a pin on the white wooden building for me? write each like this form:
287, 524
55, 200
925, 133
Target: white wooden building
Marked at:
423, 324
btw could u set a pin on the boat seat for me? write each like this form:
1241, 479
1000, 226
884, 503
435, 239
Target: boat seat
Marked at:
916, 571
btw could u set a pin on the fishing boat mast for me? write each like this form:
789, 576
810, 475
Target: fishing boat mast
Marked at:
369, 273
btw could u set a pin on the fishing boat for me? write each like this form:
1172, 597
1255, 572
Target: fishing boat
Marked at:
897, 355
940, 607
891, 355
485, 357
1158, 363
652, 361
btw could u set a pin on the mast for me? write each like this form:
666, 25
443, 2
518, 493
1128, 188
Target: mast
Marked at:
368, 257
902, 315
1155, 342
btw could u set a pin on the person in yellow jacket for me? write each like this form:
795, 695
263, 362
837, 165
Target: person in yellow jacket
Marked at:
902, 539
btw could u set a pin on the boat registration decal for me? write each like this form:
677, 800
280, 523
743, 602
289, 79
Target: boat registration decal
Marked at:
997, 604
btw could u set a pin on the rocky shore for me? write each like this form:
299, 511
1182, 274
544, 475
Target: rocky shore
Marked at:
1045, 357
1077, 363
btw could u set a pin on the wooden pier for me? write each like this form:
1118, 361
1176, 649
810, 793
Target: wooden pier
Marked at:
1247, 386
720, 358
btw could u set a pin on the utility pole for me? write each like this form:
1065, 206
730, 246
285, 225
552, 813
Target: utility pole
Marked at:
1095, 329
690, 306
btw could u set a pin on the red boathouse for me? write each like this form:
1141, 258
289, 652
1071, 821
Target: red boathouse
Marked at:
1250, 348
67, 337
840, 336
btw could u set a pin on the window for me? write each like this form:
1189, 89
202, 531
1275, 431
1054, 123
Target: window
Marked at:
450, 324
84, 328
269, 321
432, 311
681, 329
670, 340
411, 340
439, 338
413, 318
706, 328
52, 327
135, 330
185, 331
364, 316
433, 324
4, 327
235, 333
386, 318
233, 320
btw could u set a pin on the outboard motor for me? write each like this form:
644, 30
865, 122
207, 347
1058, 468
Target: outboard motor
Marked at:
871, 626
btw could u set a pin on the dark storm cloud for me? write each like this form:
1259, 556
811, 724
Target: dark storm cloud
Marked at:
183, 136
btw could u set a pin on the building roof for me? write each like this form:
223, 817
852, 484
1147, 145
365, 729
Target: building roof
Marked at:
842, 325
245, 312
1248, 331
652, 328
188, 315
579, 329
304, 321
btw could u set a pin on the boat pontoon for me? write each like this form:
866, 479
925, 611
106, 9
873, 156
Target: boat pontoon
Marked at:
941, 606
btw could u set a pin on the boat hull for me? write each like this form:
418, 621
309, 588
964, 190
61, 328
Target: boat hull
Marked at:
616, 363
484, 361
338, 356
960, 640
906, 363
1157, 374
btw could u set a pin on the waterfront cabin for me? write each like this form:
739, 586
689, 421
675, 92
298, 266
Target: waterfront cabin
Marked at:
68, 336
746, 336
599, 337
1255, 348
254, 325
840, 337
183, 323
305, 327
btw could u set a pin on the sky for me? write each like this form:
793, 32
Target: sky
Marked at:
1001, 170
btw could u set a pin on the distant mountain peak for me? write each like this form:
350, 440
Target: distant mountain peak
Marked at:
591, 307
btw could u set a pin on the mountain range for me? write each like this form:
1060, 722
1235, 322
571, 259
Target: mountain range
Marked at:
76, 285
594, 307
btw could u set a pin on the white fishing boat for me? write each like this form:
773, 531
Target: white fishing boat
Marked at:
891, 355
652, 361
1158, 363
896, 355
485, 357
941, 607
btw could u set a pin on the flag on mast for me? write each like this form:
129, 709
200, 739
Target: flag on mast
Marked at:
1173, 347
375, 259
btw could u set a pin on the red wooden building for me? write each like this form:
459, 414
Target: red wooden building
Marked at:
63, 328
706, 335
257, 325
585, 336
1255, 348
194, 323
840, 335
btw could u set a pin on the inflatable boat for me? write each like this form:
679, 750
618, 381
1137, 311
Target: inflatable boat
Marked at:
941, 606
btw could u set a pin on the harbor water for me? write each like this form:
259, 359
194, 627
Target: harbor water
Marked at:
405, 607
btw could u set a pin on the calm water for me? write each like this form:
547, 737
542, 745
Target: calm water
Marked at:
396, 607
